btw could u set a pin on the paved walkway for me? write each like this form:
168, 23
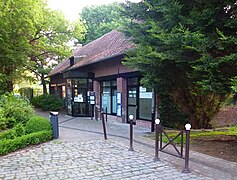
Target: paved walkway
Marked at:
86, 160
81, 153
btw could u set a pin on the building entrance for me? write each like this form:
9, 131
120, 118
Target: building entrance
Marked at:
77, 99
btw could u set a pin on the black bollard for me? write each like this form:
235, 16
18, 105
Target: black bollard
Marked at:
103, 123
54, 122
187, 129
131, 133
157, 122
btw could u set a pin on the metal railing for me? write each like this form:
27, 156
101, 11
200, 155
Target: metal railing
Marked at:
178, 150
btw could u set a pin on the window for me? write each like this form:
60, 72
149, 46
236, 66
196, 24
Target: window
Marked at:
132, 97
145, 103
139, 100
108, 96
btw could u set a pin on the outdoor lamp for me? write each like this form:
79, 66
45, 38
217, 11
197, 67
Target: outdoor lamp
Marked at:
131, 116
157, 121
54, 113
188, 127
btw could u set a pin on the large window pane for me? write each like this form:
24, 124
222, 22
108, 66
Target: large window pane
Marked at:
132, 81
145, 102
106, 83
106, 99
114, 83
132, 94
108, 96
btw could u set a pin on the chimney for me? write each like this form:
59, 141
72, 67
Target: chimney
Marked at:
71, 61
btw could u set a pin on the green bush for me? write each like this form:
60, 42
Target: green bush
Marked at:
37, 123
9, 134
10, 145
3, 123
47, 102
14, 110
17, 131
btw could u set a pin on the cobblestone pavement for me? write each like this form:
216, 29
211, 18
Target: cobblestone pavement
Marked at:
78, 136
86, 160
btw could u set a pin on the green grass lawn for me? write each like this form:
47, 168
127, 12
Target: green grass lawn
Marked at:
227, 133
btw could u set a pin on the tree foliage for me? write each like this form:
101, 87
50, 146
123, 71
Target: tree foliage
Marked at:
31, 36
186, 50
49, 42
101, 19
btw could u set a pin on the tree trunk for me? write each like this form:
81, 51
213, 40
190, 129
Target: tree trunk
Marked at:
9, 87
43, 82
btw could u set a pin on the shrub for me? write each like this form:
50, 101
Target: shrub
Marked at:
3, 123
17, 131
9, 134
37, 123
47, 102
7, 123
14, 110
9, 145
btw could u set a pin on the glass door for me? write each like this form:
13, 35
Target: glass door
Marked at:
132, 103
80, 102
132, 95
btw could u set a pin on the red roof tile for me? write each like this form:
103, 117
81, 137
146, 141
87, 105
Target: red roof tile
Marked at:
111, 44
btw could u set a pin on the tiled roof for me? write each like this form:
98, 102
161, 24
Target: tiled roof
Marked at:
109, 45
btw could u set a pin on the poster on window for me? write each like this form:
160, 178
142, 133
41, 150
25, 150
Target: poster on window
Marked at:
119, 110
119, 103
80, 98
119, 98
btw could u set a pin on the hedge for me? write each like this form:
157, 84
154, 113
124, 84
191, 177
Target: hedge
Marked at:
37, 123
48, 102
17, 131
10, 145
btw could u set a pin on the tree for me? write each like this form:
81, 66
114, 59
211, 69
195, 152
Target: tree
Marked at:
99, 20
16, 19
187, 50
31, 36
49, 42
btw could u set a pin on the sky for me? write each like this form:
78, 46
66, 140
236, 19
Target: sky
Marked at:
71, 8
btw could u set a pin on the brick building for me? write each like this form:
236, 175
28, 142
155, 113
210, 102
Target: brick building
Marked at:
95, 77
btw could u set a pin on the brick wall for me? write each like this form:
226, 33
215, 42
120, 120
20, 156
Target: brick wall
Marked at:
142, 123
114, 118
96, 88
122, 87
225, 117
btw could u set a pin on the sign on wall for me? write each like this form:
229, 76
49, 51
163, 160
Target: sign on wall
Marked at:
91, 96
119, 103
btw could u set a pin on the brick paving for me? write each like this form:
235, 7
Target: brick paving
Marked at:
86, 160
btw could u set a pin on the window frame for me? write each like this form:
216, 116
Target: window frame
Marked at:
137, 86
111, 87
